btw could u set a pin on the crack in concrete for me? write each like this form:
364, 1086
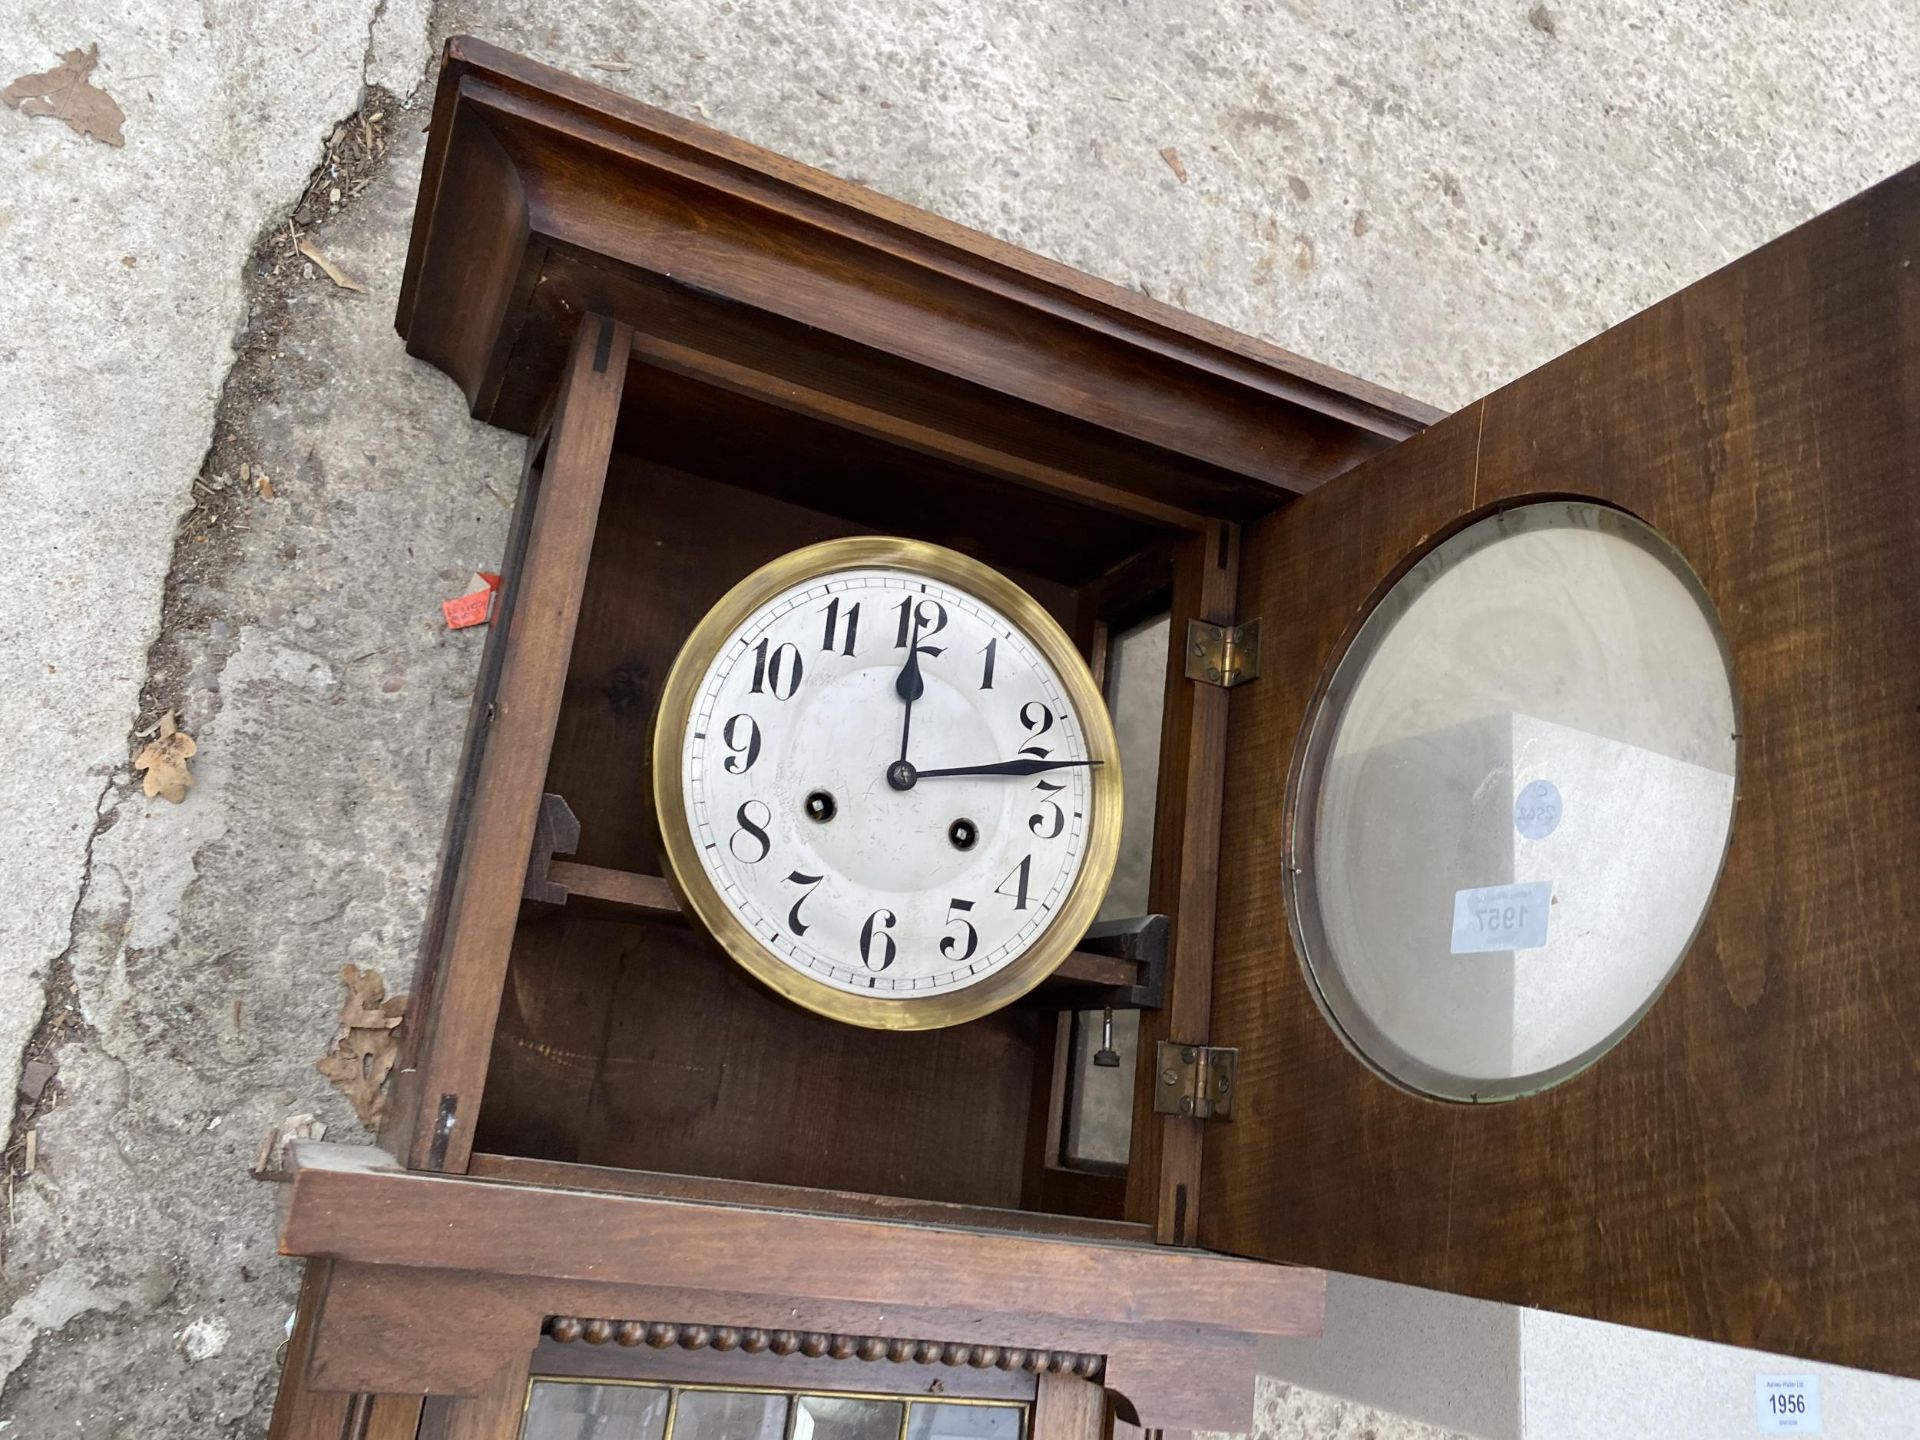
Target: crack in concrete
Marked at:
367, 56
188, 653
61, 1014
206, 542
62, 1017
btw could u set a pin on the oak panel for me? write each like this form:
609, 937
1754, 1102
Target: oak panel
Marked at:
1745, 1166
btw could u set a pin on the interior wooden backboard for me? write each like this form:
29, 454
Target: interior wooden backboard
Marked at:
1745, 1166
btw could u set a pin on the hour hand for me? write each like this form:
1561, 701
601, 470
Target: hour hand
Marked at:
1006, 767
908, 685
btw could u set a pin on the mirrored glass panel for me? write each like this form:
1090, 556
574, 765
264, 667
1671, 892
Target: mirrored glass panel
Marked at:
729, 1415
827, 1417
580, 1410
964, 1422
560, 1408
1513, 801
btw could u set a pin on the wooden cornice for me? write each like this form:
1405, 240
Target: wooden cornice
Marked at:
544, 196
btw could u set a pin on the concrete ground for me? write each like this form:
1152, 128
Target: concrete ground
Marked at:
1437, 196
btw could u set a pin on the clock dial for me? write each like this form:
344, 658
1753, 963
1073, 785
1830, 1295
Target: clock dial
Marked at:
887, 783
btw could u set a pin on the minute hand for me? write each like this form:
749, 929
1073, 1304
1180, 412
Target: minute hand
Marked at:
1007, 767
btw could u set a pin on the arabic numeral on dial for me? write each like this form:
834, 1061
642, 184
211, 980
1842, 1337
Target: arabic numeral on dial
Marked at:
742, 734
1021, 872
932, 617
1038, 720
754, 829
776, 670
986, 674
1048, 828
812, 883
949, 944
831, 636
876, 928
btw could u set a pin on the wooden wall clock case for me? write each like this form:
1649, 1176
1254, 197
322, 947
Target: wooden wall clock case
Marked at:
718, 356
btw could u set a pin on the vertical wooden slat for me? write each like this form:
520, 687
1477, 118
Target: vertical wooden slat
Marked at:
300, 1413
404, 1101
1065, 1407
1163, 1184
393, 1417
507, 759
496, 1413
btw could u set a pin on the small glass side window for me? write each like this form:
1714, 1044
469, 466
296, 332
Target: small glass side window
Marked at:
1136, 685
574, 1410
827, 1417
957, 1421
1098, 1132
729, 1415
580, 1409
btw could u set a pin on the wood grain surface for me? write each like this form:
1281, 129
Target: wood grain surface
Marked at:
612, 1360
522, 1171
506, 761
354, 1203
1745, 1166
1069, 1408
526, 161
644, 1046
1165, 1160
453, 1333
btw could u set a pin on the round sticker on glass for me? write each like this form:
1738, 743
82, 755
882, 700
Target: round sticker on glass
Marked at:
1536, 810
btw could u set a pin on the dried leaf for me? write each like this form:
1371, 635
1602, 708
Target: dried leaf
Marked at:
332, 271
65, 94
367, 1045
1172, 157
366, 1004
165, 761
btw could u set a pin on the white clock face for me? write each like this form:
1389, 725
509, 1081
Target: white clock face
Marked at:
887, 784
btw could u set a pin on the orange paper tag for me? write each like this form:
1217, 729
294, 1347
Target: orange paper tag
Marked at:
476, 606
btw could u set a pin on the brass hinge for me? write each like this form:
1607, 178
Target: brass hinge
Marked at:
1194, 1080
1223, 655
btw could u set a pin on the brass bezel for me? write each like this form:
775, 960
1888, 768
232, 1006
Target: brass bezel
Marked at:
681, 853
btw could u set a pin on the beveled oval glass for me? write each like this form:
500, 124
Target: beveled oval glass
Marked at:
1512, 800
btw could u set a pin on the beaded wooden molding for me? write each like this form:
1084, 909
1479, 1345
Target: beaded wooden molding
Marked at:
439, 1286
663, 1335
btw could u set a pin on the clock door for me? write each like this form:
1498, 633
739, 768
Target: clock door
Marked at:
1635, 642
